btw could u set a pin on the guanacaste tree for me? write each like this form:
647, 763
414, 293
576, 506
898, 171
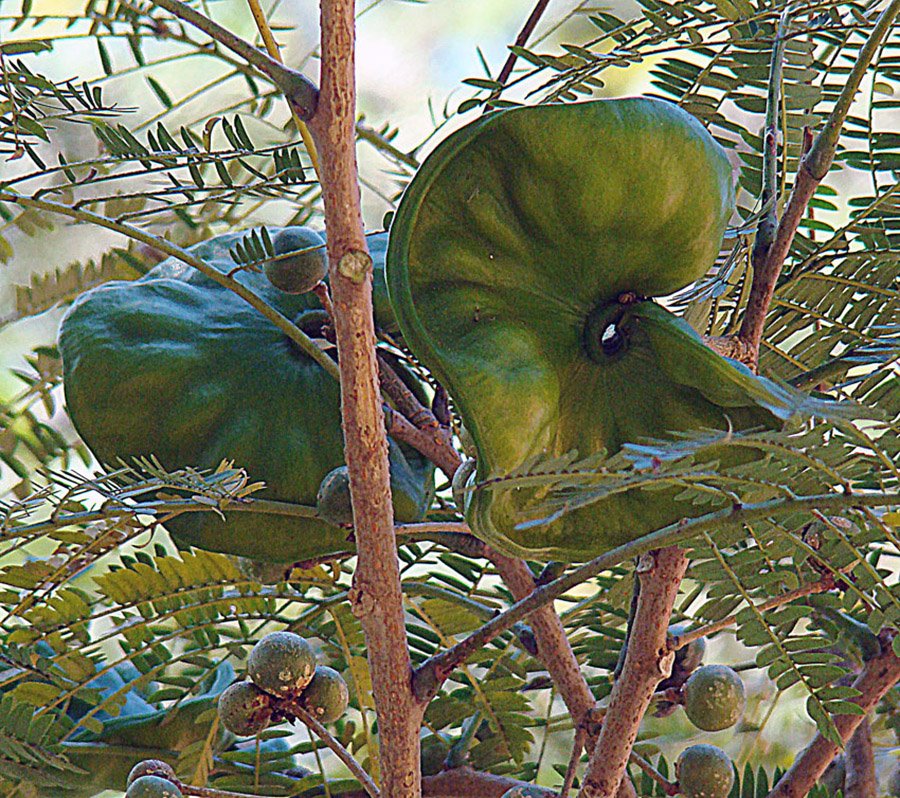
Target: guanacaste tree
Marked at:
450, 502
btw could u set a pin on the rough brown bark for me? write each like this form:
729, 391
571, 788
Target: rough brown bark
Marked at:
817, 160
376, 596
878, 676
647, 662
860, 759
554, 649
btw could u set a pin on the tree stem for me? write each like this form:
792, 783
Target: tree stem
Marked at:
877, 677
860, 759
433, 671
647, 662
299, 90
376, 597
813, 167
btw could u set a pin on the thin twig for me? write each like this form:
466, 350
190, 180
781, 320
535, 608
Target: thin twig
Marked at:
554, 650
404, 399
433, 671
670, 787
822, 586
432, 442
522, 39
877, 677
262, 25
572, 768
342, 753
765, 233
299, 90
814, 165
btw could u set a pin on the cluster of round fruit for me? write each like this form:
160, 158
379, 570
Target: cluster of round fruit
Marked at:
283, 676
152, 778
713, 699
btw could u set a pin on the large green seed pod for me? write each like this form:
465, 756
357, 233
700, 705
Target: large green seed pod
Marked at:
175, 366
519, 263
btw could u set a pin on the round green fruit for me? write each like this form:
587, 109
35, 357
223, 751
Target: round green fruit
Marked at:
333, 503
327, 697
244, 709
150, 767
153, 787
282, 664
520, 272
704, 771
304, 263
714, 697
178, 367
690, 657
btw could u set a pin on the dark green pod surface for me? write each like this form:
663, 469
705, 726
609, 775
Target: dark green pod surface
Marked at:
518, 260
176, 366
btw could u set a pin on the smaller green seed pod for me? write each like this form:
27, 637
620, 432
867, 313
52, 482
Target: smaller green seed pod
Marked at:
153, 787
326, 697
714, 697
282, 664
704, 771
150, 767
244, 709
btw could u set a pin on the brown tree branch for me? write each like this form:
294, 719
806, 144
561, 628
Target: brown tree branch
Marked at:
376, 597
339, 751
466, 782
554, 650
431, 673
825, 584
813, 167
430, 441
647, 662
299, 90
860, 762
522, 39
878, 676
